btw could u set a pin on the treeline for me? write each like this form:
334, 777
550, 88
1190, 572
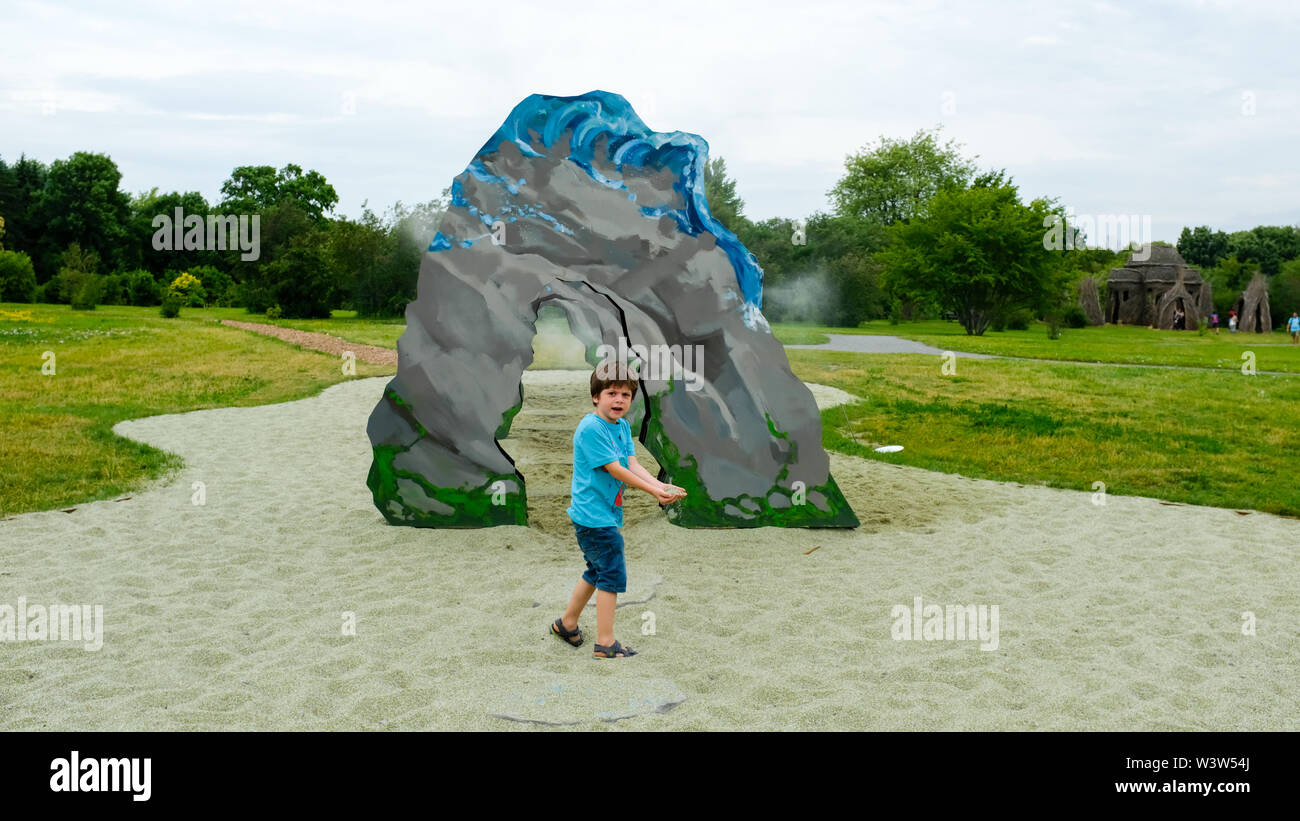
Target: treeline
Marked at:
918, 230
69, 235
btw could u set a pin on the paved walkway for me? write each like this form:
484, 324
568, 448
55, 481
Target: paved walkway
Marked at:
864, 343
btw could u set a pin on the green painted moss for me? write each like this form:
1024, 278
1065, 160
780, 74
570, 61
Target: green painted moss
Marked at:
698, 510
472, 507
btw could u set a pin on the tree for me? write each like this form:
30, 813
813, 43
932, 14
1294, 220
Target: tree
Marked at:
978, 252
725, 204
255, 188
17, 277
895, 179
1268, 245
20, 190
1201, 247
81, 204
1284, 293
141, 230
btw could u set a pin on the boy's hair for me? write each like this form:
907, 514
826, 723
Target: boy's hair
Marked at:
611, 376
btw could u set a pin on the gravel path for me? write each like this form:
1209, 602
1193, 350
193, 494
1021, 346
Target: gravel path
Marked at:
319, 342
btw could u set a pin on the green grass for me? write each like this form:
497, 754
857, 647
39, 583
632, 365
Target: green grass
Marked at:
1198, 436
1201, 437
793, 333
1121, 344
116, 363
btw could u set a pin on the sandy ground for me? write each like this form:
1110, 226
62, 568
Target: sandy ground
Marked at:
231, 614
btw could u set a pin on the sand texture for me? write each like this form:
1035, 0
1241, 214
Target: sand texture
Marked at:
230, 614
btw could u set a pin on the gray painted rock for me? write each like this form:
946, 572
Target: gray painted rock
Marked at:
574, 202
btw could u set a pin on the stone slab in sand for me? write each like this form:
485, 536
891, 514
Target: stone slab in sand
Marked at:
228, 615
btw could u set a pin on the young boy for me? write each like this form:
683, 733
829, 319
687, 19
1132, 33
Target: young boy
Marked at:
604, 462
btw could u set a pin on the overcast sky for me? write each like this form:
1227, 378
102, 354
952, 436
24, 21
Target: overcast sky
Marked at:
1187, 112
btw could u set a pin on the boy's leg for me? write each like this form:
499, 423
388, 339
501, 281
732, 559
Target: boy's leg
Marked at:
581, 595
606, 603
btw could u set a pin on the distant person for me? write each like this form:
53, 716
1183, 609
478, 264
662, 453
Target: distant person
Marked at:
1293, 325
1214, 322
1180, 320
1232, 322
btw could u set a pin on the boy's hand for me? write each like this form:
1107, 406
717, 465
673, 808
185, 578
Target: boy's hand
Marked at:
666, 497
669, 493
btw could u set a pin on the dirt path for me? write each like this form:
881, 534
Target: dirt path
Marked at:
320, 342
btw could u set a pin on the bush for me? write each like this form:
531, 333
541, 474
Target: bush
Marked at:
1075, 317
217, 285
1019, 321
171, 305
80, 289
188, 289
17, 277
142, 288
274, 312
115, 290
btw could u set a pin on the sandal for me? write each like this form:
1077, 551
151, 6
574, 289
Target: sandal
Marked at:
568, 635
614, 651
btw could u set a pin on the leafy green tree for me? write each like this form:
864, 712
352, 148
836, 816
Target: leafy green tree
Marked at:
255, 188
282, 226
978, 252
1284, 293
81, 204
20, 190
893, 180
1202, 247
725, 204
1267, 245
140, 252
17, 277
377, 259
300, 280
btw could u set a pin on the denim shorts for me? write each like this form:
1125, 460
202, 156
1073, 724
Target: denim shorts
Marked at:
602, 547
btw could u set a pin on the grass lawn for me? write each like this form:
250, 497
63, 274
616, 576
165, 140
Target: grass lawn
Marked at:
116, 363
1201, 437
1204, 437
1110, 343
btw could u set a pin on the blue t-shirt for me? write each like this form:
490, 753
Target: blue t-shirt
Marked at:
1294, 324
596, 500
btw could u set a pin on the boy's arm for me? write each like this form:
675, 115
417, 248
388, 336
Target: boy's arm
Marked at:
635, 466
653, 487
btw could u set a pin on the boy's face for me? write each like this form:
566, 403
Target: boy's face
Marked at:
613, 402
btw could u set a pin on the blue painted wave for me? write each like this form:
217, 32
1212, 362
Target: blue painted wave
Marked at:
628, 142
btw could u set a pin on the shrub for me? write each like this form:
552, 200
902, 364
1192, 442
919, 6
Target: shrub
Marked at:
115, 290
142, 288
1019, 321
1075, 317
217, 284
171, 305
80, 289
17, 277
189, 289
274, 312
